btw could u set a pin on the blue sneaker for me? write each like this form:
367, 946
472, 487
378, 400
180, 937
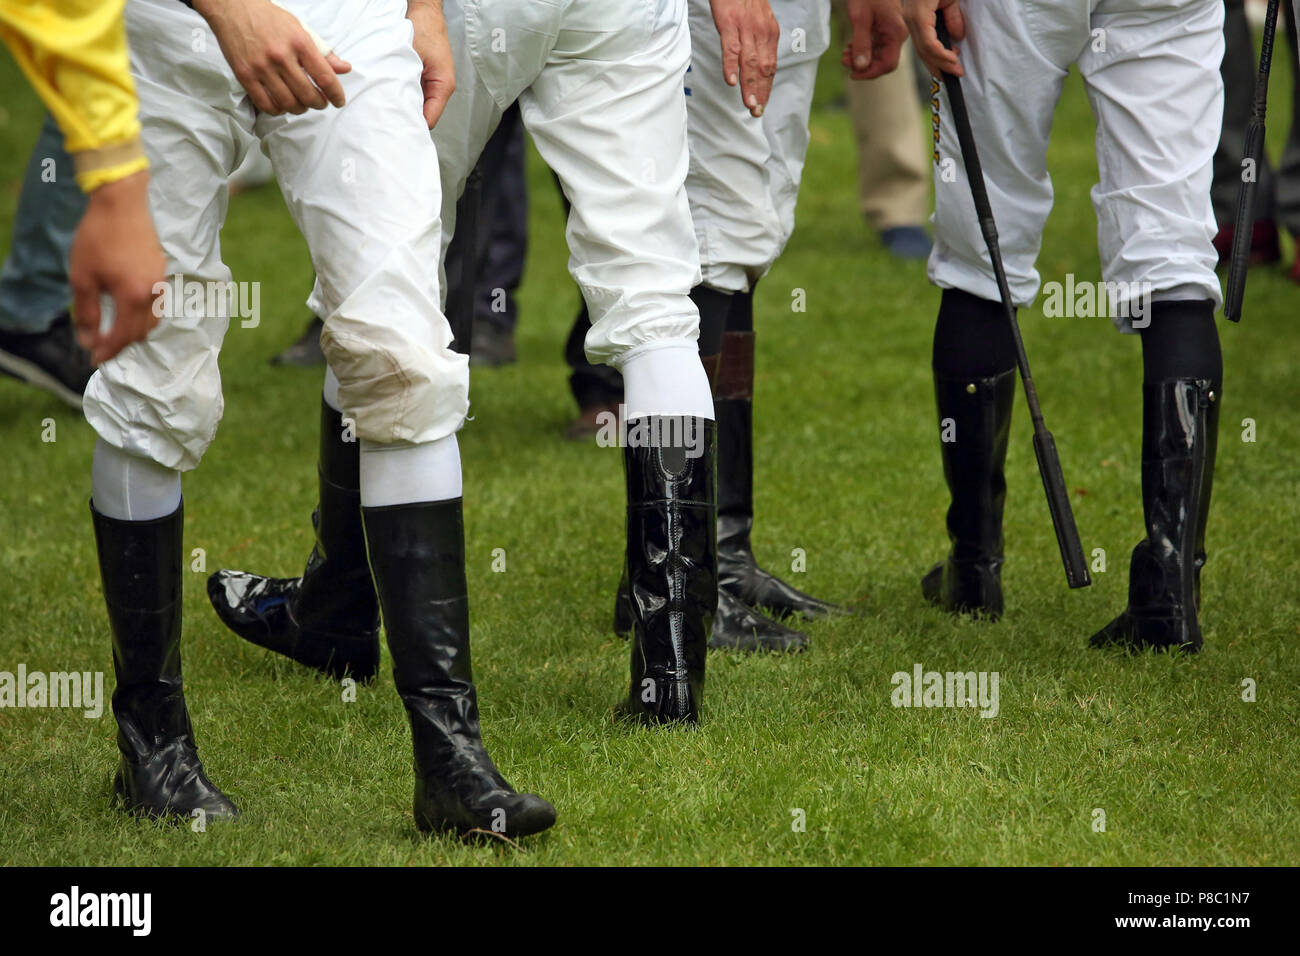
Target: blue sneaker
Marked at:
906, 242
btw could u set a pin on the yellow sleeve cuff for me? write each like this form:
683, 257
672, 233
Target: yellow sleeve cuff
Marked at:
107, 164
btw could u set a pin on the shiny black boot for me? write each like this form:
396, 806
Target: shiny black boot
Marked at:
738, 572
672, 568
327, 619
1180, 428
736, 627
160, 774
976, 414
417, 552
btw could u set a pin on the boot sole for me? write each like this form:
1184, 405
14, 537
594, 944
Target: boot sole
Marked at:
431, 827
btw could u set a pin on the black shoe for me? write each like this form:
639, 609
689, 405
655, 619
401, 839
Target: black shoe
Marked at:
978, 410
306, 351
328, 619
493, 347
738, 571
736, 627
51, 360
1180, 429
418, 555
160, 774
672, 571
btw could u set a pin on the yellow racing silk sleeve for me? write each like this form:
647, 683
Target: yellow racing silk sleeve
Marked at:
74, 54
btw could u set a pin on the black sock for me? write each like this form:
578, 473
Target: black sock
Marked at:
741, 317
1182, 342
714, 307
972, 337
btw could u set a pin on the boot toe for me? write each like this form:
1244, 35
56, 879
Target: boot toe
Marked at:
173, 785
1118, 632
254, 607
752, 585
217, 806
498, 812
1136, 633
784, 600
531, 815
738, 627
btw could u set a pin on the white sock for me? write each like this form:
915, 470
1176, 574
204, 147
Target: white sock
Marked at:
130, 488
667, 380
330, 392
403, 474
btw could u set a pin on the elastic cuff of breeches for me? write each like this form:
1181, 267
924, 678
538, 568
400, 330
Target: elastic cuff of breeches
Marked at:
1190, 291
666, 378
127, 487
402, 473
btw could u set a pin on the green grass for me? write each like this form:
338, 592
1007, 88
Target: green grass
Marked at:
848, 470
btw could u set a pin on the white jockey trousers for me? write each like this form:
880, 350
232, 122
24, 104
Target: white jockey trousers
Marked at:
600, 85
1151, 71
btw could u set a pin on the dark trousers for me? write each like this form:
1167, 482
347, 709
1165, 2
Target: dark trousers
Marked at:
1277, 197
485, 258
592, 385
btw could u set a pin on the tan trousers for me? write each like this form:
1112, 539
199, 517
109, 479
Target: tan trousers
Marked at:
893, 144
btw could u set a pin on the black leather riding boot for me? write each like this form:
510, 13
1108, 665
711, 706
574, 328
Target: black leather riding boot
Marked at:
327, 619
417, 552
160, 773
671, 565
736, 626
738, 571
976, 414
1180, 427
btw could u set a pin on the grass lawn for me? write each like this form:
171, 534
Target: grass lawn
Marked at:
848, 470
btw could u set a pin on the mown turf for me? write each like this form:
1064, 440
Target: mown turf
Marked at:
848, 470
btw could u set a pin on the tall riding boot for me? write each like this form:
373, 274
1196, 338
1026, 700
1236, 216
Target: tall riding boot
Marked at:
738, 571
327, 619
671, 568
1180, 427
417, 552
736, 626
976, 414
160, 773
